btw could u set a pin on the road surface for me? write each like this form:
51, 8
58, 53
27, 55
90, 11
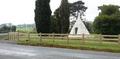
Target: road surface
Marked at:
13, 51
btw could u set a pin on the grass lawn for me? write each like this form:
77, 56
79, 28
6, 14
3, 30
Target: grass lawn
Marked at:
3, 37
73, 44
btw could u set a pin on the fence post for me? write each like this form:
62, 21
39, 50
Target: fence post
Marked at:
67, 38
28, 36
100, 36
8, 35
18, 35
40, 37
83, 38
11, 35
53, 37
119, 38
14, 36
61, 36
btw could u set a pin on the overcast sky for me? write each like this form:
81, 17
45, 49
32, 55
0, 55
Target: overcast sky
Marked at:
22, 11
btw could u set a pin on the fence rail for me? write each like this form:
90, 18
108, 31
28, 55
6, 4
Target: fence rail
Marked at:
4, 36
83, 37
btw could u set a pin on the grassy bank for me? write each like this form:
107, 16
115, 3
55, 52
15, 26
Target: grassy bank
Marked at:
74, 44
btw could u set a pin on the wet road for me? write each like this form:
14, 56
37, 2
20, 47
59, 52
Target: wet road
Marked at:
13, 51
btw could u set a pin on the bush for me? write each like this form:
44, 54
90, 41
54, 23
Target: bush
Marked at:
108, 21
109, 25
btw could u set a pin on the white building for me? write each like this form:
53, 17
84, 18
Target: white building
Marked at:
78, 28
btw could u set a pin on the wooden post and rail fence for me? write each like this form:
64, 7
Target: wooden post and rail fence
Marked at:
83, 37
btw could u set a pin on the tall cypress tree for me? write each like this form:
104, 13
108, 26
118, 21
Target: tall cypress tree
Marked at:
64, 13
42, 16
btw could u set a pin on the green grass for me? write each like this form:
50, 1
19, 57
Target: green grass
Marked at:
73, 44
25, 30
3, 37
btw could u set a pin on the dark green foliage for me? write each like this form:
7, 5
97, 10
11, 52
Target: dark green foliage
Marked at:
55, 22
77, 7
89, 26
61, 16
5, 28
42, 16
108, 21
54, 25
64, 16
60, 20
108, 9
13, 28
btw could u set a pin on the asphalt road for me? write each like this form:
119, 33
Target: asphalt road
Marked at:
13, 51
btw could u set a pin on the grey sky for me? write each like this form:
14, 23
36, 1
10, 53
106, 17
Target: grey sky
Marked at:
22, 11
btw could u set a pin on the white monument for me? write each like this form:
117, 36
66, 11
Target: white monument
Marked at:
78, 28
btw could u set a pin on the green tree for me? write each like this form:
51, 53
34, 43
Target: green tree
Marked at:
59, 19
42, 16
108, 21
4, 28
62, 16
13, 28
54, 25
77, 8
89, 26
55, 22
108, 9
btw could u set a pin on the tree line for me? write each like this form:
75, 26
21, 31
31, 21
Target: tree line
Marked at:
4, 28
59, 22
107, 22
